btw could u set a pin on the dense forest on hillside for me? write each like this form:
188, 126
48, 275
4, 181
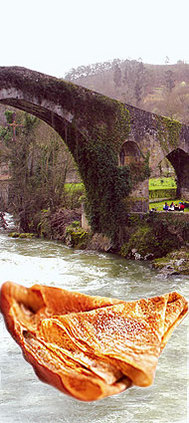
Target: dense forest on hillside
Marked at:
162, 89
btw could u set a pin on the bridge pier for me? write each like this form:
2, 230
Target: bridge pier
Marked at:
183, 185
138, 200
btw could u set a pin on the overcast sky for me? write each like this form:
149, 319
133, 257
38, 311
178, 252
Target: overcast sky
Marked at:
53, 36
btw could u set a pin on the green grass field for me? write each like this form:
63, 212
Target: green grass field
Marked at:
159, 205
162, 183
154, 184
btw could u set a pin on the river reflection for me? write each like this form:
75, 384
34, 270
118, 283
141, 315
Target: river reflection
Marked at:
23, 398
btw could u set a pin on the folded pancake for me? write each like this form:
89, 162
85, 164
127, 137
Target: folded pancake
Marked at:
90, 347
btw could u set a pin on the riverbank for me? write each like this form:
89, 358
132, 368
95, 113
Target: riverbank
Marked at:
161, 238
174, 263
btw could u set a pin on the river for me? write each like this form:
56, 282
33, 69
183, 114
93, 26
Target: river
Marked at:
25, 399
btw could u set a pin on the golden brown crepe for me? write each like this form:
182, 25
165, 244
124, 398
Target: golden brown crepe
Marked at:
90, 347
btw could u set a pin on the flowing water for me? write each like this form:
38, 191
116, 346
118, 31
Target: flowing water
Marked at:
25, 399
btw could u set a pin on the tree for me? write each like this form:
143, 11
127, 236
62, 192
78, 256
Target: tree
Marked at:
140, 82
117, 76
169, 80
39, 163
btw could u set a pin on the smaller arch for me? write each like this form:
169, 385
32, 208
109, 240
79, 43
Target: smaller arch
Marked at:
129, 153
179, 159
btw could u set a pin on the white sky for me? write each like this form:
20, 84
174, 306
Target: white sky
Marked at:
53, 36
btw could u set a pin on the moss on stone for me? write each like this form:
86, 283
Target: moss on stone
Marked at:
21, 235
153, 234
143, 240
168, 133
76, 237
14, 234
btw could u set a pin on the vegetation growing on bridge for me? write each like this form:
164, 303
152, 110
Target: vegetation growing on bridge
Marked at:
168, 132
107, 185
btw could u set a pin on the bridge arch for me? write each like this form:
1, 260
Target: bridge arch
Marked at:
93, 128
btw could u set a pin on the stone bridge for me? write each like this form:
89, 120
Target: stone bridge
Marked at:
114, 145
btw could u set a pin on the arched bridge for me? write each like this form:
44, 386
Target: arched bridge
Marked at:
113, 144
